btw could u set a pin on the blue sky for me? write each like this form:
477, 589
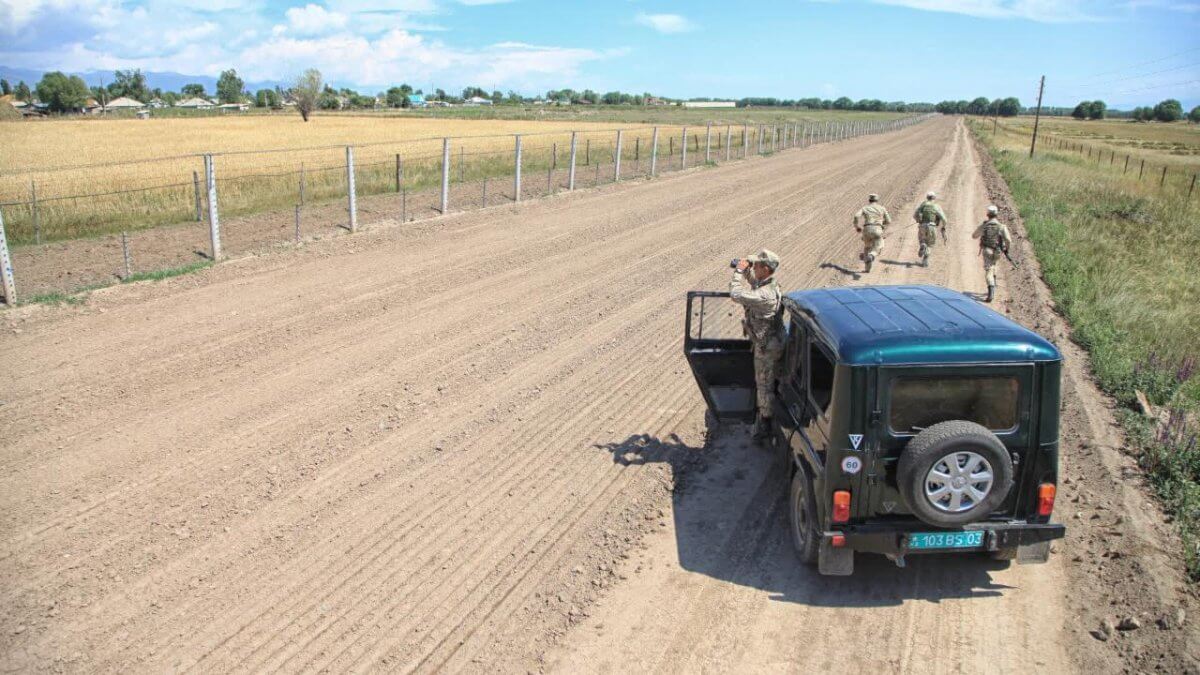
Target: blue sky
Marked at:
1127, 52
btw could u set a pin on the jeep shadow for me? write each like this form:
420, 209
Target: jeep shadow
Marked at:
729, 507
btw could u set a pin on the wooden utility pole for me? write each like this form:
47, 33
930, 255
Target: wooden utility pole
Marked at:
1037, 116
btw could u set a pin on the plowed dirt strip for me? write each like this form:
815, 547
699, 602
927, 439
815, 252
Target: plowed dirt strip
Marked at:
380, 451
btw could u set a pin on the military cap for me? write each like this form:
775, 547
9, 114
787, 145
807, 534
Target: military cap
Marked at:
767, 257
872, 197
930, 195
992, 210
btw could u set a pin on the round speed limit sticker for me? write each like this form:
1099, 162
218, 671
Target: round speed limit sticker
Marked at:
851, 465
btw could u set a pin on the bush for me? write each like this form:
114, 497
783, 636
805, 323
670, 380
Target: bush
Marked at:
1169, 110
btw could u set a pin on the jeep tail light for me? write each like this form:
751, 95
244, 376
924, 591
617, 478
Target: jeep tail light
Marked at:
841, 506
838, 541
1046, 498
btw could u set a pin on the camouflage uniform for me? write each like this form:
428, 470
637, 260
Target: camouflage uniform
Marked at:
875, 219
994, 239
764, 326
929, 216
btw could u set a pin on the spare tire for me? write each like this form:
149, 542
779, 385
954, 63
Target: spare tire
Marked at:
954, 473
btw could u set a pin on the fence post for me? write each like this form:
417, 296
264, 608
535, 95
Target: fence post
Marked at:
1162, 181
654, 153
196, 183
745, 138
617, 160
397, 172
571, 170
303, 182
214, 216
728, 138
708, 143
6, 270
1126, 166
445, 174
350, 191
517, 176
462, 162
683, 152
587, 152
1141, 170
1190, 190
37, 220
125, 252
297, 237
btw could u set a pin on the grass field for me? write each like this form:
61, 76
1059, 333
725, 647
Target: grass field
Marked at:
1118, 256
99, 176
1175, 144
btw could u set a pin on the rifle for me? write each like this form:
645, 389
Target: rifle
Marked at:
1012, 262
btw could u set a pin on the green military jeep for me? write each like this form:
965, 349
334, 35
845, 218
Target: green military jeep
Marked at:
916, 419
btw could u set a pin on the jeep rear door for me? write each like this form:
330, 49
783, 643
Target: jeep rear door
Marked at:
721, 358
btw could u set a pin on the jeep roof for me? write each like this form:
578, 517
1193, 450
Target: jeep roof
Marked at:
892, 325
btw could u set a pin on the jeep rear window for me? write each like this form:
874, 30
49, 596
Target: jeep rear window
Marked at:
920, 402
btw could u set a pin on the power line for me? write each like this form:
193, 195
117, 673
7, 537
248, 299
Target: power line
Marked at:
1131, 77
1139, 65
1157, 86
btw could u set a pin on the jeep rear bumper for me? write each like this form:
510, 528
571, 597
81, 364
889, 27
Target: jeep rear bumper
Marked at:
892, 540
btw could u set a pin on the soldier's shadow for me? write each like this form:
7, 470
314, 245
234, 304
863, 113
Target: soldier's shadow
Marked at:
729, 510
899, 263
838, 268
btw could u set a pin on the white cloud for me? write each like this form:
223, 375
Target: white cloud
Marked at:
483, 2
665, 23
1047, 11
314, 20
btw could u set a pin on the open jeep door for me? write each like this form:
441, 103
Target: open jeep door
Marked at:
719, 354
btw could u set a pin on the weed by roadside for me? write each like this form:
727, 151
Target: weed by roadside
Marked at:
1119, 266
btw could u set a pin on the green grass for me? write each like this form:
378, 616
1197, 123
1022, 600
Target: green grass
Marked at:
1119, 263
80, 296
159, 275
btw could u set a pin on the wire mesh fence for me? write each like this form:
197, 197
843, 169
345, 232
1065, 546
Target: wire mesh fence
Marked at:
74, 227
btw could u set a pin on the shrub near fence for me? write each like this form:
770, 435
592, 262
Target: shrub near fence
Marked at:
306, 192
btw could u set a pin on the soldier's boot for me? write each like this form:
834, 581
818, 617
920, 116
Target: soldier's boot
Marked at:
870, 258
923, 254
991, 294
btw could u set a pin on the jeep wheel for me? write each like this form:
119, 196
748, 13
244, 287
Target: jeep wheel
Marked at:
806, 536
954, 473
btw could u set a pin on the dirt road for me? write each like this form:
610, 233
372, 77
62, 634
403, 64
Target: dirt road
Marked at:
474, 445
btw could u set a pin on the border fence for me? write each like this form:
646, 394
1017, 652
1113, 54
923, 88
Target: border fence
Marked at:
72, 228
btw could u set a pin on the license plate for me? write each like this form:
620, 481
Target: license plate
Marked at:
932, 540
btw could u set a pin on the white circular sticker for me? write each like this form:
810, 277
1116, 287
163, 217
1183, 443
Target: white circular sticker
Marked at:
851, 465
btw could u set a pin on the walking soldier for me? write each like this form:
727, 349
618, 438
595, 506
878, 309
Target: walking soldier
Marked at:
994, 241
875, 218
753, 287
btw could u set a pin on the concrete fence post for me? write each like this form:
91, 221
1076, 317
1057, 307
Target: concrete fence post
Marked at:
617, 160
214, 216
351, 192
745, 139
654, 152
1163, 181
571, 170
708, 143
6, 271
683, 153
517, 176
728, 138
445, 175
